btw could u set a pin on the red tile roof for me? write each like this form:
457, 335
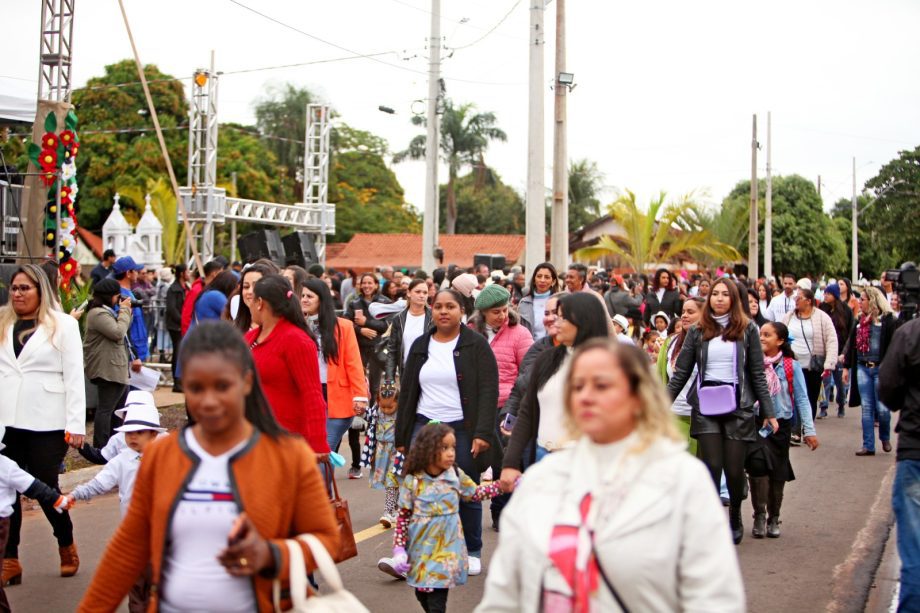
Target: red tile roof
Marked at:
90, 240
366, 251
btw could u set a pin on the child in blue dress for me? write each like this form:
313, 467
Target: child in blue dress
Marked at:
379, 453
429, 549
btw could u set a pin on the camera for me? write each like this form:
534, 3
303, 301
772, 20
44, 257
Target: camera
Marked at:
905, 281
137, 304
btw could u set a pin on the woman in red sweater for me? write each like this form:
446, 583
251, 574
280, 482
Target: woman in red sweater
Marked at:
286, 360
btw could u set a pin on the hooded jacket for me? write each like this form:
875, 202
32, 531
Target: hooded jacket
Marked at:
395, 363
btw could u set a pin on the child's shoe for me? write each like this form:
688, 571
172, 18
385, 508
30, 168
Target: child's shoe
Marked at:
388, 565
475, 566
388, 520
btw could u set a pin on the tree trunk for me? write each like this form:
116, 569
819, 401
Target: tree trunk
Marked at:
451, 225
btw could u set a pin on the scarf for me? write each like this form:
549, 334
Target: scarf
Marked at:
863, 334
722, 320
772, 380
545, 294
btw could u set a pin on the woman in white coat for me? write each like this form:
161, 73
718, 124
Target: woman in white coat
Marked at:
43, 401
624, 521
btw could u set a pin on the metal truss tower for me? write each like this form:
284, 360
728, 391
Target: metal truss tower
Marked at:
56, 51
316, 172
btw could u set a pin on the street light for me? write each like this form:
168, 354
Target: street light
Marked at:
567, 79
386, 109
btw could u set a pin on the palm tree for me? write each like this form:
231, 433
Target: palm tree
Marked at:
163, 204
465, 135
659, 234
585, 184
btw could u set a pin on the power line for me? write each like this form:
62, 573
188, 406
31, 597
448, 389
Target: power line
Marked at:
492, 29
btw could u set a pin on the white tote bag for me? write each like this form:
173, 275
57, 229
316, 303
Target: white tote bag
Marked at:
338, 600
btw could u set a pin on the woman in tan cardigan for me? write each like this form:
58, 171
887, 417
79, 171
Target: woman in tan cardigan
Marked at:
213, 502
814, 341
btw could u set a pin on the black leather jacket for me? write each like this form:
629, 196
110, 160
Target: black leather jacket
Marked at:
752, 381
395, 362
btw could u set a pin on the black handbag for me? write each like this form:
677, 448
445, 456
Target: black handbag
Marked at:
816, 363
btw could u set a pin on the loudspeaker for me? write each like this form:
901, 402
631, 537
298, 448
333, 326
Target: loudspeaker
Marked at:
261, 244
495, 261
299, 249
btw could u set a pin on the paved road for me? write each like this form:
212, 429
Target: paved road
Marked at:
825, 510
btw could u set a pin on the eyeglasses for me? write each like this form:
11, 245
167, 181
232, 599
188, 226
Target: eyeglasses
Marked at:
21, 289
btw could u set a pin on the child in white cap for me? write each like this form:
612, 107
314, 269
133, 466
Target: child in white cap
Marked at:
13, 481
141, 426
116, 443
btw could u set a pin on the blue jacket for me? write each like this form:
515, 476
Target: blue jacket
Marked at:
782, 403
137, 333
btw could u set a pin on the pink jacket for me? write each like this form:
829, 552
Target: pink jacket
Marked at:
509, 347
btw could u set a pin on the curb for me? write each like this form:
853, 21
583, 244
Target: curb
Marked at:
854, 577
73, 478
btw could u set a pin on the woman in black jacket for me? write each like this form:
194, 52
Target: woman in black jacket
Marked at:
451, 376
725, 349
663, 296
398, 343
367, 327
842, 317
175, 298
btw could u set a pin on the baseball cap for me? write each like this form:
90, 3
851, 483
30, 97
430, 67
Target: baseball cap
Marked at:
125, 264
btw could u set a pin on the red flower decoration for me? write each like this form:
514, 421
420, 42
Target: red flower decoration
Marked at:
68, 137
48, 159
48, 178
50, 140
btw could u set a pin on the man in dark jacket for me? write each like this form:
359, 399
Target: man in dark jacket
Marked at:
899, 389
617, 297
103, 268
175, 299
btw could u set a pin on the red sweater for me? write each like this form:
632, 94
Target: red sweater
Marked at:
288, 366
188, 307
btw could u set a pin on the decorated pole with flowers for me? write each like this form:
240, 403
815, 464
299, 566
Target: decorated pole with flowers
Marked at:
55, 157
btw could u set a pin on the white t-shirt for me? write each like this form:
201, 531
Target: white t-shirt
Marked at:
193, 579
12, 481
680, 406
440, 397
552, 432
414, 328
719, 361
539, 308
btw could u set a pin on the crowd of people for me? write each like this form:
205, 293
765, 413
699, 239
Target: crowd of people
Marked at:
615, 409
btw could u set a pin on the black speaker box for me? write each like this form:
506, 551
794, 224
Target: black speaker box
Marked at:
299, 249
261, 244
495, 261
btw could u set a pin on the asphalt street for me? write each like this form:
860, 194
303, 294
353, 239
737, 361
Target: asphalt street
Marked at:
835, 517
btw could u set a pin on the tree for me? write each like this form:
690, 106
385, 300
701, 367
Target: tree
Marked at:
465, 136
893, 221
871, 259
585, 185
485, 205
661, 233
240, 150
281, 118
805, 241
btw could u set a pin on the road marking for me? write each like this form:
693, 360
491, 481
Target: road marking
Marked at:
369, 533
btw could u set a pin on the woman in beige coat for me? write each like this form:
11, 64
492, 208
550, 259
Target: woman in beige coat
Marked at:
626, 520
105, 354
814, 341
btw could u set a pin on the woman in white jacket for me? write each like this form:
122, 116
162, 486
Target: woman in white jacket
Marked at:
624, 521
43, 400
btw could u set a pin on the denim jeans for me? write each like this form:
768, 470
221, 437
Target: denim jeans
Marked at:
336, 427
905, 501
470, 512
832, 383
872, 407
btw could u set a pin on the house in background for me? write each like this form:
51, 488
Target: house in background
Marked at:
143, 243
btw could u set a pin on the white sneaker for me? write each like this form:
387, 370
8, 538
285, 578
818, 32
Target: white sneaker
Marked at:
475, 566
486, 476
389, 567
387, 520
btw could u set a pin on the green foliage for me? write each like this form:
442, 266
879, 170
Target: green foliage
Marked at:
464, 138
282, 118
872, 262
240, 150
163, 204
585, 184
485, 205
893, 220
805, 240
658, 234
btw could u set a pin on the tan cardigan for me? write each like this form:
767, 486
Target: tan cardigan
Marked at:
104, 353
824, 337
276, 482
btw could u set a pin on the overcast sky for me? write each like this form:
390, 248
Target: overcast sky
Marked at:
665, 89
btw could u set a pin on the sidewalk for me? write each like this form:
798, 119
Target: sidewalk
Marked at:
165, 397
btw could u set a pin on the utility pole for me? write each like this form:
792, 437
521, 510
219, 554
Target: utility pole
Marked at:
855, 214
819, 187
559, 253
430, 220
768, 220
535, 248
752, 229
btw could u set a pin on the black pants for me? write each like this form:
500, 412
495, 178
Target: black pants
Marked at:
40, 454
433, 602
720, 453
813, 385
175, 336
111, 397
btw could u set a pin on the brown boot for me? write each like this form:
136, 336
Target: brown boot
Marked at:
70, 561
12, 572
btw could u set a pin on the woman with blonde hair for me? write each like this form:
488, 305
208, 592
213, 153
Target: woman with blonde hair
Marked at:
43, 404
625, 519
865, 350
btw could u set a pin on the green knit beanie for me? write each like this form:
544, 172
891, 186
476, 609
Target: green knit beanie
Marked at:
492, 296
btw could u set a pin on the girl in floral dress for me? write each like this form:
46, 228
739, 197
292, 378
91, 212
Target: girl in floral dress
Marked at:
429, 549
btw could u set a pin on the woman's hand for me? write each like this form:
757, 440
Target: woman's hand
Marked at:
845, 375
136, 365
360, 406
771, 421
479, 446
360, 317
74, 440
77, 314
247, 553
368, 333
812, 442
509, 479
